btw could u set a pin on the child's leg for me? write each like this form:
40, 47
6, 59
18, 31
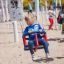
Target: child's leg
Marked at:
30, 44
45, 44
45, 38
51, 23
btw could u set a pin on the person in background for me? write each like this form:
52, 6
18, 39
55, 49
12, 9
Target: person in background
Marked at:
60, 18
51, 19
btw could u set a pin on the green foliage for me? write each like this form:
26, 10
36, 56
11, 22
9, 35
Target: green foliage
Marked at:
42, 2
25, 3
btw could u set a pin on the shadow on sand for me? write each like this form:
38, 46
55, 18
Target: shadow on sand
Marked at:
60, 40
47, 60
44, 60
60, 57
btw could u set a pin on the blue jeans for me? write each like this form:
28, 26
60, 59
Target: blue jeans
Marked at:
32, 43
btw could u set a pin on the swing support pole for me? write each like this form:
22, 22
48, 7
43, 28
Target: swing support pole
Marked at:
3, 11
16, 35
7, 14
37, 9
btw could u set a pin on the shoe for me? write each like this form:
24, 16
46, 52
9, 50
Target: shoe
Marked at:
34, 58
47, 56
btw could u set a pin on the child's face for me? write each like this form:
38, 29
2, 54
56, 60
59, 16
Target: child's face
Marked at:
29, 22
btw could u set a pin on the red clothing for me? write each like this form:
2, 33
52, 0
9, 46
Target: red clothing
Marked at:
51, 23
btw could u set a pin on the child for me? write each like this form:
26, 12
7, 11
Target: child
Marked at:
60, 18
51, 19
32, 26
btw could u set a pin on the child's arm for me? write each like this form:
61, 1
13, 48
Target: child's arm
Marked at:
42, 30
25, 32
45, 36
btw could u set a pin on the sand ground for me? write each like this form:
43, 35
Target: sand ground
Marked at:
13, 53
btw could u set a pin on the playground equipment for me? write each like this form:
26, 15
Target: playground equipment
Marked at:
3, 11
37, 45
37, 9
12, 14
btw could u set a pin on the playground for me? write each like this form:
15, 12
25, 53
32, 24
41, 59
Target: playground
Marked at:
12, 25
13, 53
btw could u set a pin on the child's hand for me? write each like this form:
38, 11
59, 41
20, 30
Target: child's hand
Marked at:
40, 30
